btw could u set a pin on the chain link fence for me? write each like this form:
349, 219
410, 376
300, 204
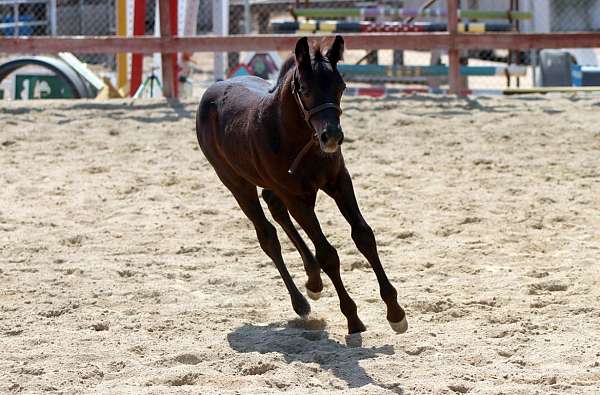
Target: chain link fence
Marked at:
575, 16
504, 68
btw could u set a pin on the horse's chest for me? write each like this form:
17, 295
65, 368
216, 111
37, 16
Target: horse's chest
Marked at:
316, 177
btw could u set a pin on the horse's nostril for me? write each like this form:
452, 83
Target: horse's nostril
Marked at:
341, 139
324, 137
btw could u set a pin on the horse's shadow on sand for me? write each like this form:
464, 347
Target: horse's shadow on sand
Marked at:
308, 342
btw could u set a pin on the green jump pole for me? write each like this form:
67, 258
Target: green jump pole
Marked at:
477, 14
327, 12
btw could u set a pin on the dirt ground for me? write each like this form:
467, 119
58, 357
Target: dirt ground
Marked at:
126, 267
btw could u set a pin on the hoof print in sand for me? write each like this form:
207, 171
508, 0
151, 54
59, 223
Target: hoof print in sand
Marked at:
255, 369
546, 287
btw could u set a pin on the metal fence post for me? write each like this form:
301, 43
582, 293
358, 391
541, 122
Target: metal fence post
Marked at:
220, 28
16, 19
247, 17
53, 18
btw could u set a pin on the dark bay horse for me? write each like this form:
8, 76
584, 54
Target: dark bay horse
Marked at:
286, 140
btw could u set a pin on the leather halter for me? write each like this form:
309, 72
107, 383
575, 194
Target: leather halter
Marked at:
308, 114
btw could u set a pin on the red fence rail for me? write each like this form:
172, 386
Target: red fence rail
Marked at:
273, 42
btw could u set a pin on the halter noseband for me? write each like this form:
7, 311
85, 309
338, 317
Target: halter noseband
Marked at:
308, 114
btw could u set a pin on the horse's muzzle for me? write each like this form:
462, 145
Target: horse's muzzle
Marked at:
331, 138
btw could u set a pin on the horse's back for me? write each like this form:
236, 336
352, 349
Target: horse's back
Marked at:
231, 99
236, 93
256, 85
226, 123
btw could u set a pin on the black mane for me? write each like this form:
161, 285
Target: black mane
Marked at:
285, 67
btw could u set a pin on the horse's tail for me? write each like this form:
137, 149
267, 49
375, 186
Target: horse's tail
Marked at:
285, 67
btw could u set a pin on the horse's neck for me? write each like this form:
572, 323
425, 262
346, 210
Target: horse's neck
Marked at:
293, 128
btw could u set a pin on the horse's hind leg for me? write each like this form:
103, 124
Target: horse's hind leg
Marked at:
247, 197
314, 285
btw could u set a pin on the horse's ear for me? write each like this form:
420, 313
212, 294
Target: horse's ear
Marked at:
302, 53
335, 53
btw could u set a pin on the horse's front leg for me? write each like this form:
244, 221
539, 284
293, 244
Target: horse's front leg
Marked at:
303, 212
362, 234
247, 198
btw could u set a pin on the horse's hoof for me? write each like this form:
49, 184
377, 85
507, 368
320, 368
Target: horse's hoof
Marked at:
302, 308
356, 327
313, 295
399, 327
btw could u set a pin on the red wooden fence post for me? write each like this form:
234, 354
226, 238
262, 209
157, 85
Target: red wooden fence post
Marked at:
174, 23
137, 59
453, 51
169, 60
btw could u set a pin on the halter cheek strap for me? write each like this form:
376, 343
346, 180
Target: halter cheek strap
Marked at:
308, 114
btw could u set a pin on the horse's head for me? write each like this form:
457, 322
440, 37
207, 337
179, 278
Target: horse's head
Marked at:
318, 87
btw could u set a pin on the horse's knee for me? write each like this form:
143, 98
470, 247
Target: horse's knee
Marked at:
363, 236
328, 259
267, 237
267, 195
276, 206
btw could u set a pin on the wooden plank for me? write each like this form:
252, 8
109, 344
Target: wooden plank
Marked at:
238, 43
551, 89
453, 51
82, 69
527, 41
274, 42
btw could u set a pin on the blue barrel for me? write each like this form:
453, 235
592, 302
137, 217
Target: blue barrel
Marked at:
23, 30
